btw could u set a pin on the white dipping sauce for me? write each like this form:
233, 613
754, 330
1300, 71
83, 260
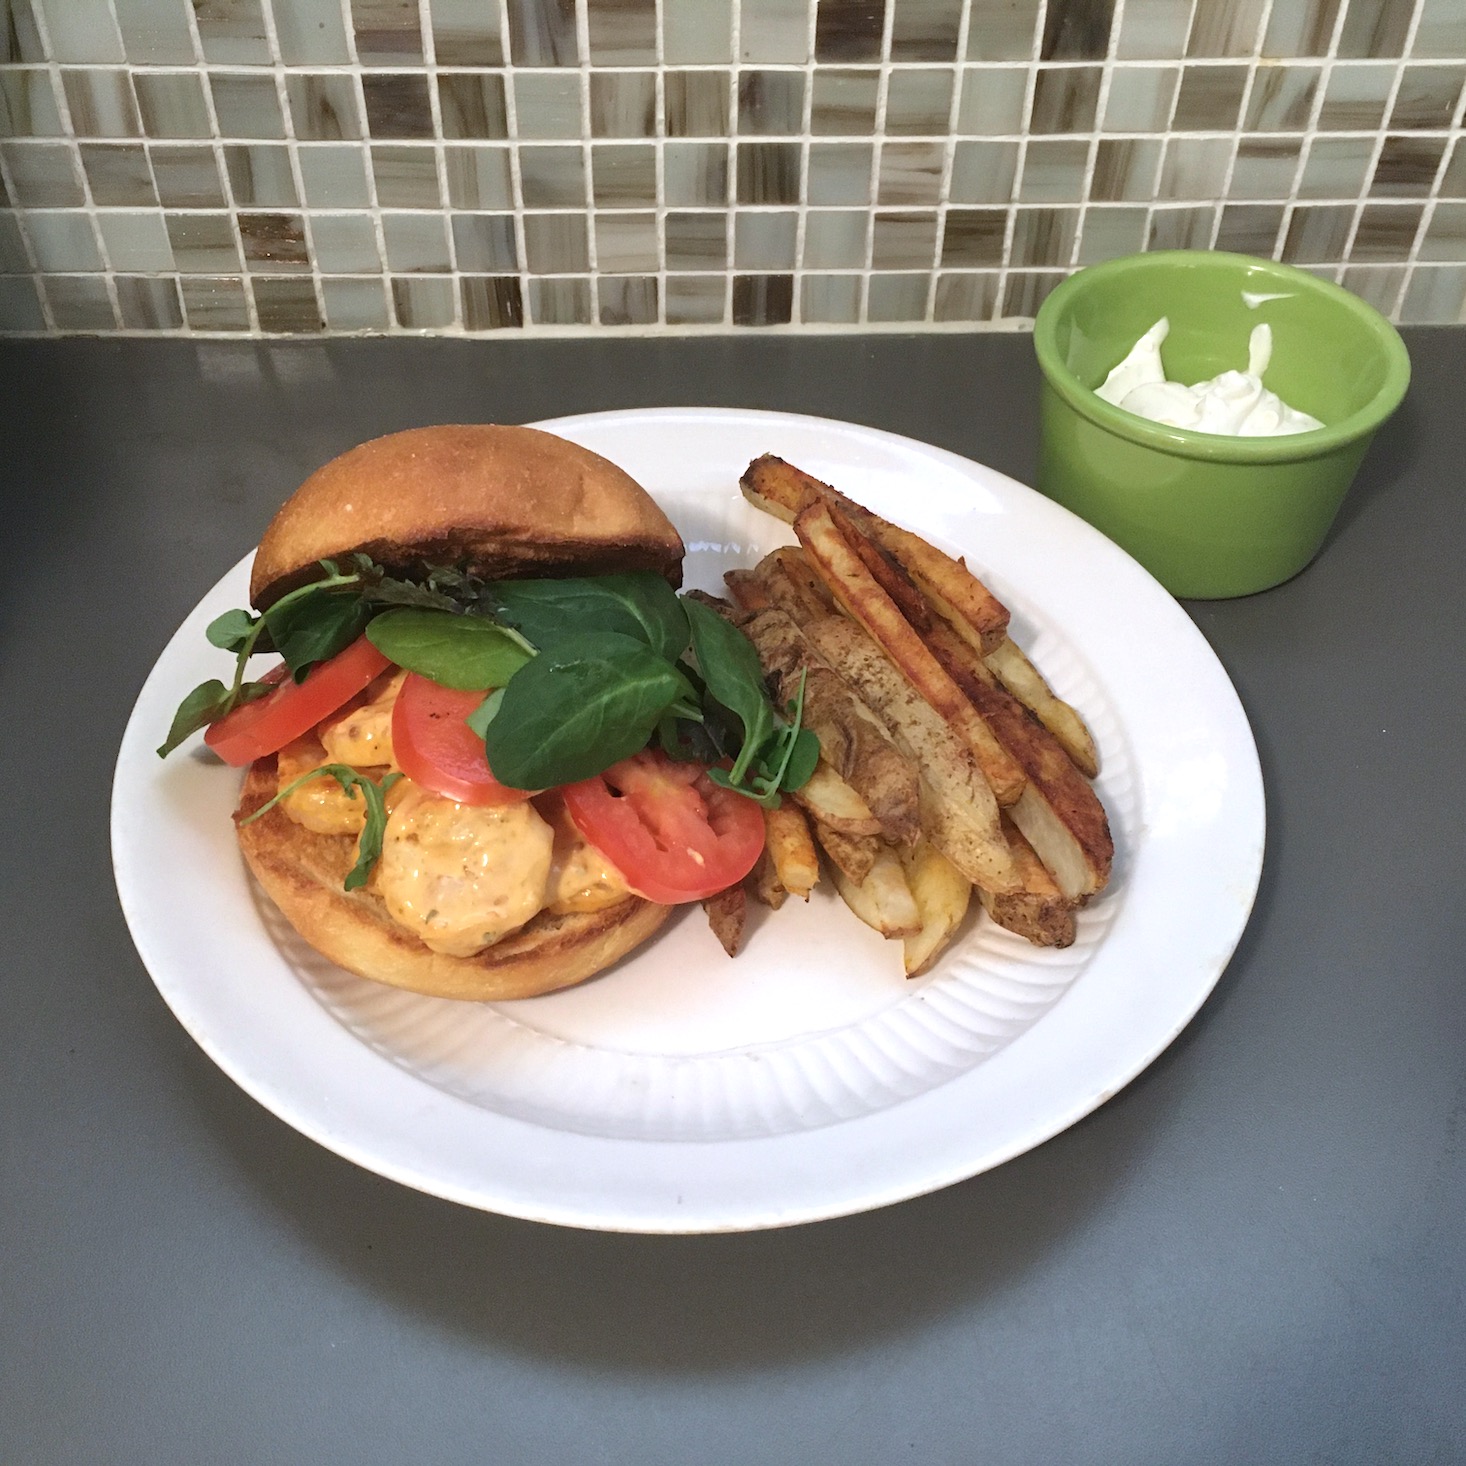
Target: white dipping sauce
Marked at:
1235, 404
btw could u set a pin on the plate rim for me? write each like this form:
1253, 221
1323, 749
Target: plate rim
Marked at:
663, 1158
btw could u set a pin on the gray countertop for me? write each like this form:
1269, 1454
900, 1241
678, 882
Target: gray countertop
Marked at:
1255, 1253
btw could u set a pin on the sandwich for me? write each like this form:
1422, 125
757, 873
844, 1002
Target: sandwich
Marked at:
499, 747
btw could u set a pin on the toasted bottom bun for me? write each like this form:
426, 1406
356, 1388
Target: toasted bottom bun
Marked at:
302, 874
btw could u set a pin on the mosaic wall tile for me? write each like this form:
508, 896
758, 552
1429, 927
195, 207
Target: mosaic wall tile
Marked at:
311, 32
829, 299
1143, 101
1282, 99
623, 104
696, 31
356, 305
628, 300
771, 103
1154, 30
763, 300
28, 104
910, 173
285, 166
260, 175
145, 304
696, 103
835, 239
472, 104
1209, 98
172, 104
562, 302
697, 300
984, 172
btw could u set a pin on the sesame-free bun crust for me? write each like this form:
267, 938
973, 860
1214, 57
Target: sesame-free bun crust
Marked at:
495, 500
302, 873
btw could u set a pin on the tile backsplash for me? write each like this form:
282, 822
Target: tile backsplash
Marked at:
570, 166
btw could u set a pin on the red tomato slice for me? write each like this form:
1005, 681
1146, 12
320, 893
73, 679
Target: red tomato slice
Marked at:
268, 723
434, 747
674, 834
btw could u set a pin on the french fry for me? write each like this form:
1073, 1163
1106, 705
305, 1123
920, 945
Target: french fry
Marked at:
951, 588
958, 811
728, 917
840, 567
763, 883
790, 583
789, 844
883, 900
829, 799
1025, 682
853, 741
1059, 811
747, 590
1039, 911
942, 894
853, 856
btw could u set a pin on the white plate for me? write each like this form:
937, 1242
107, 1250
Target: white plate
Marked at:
683, 1092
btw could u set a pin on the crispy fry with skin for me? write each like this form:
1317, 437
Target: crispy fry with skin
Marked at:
826, 542
942, 895
854, 856
791, 847
746, 589
953, 591
1026, 683
728, 917
763, 884
883, 900
1039, 911
853, 741
1059, 811
958, 811
829, 799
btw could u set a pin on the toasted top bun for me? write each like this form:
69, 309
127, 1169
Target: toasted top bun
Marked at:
302, 873
496, 501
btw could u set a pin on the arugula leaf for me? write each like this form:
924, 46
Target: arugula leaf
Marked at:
369, 843
730, 667
231, 631
466, 652
577, 708
197, 710
640, 605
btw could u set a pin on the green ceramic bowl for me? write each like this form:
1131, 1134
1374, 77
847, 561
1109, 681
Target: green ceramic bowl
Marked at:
1212, 516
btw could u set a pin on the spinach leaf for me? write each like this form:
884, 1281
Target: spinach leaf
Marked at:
466, 652
729, 666
485, 713
314, 625
640, 605
369, 843
577, 708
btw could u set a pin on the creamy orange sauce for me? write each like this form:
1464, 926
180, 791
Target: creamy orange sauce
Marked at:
460, 878
319, 805
581, 878
362, 735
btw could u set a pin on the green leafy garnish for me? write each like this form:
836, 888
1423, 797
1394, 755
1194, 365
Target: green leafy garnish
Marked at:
641, 605
369, 843
466, 652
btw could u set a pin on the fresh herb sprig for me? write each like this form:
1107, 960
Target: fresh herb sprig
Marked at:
369, 844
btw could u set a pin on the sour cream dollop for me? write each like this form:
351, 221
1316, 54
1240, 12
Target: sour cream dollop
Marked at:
1235, 404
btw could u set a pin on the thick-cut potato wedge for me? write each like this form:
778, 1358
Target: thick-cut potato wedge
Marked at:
833, 802
828, 547
763, 883
958, 811
728, 917
788, 841
942, 894
747, 590
854, 856
1025, 682
883, 900
953, 591
853, 741
789, 581
1059, 811
1039, 911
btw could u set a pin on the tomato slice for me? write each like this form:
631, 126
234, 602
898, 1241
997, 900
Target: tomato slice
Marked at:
268, 723
674, 834
436, 748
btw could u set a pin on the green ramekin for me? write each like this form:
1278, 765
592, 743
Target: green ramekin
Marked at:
1211, 516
